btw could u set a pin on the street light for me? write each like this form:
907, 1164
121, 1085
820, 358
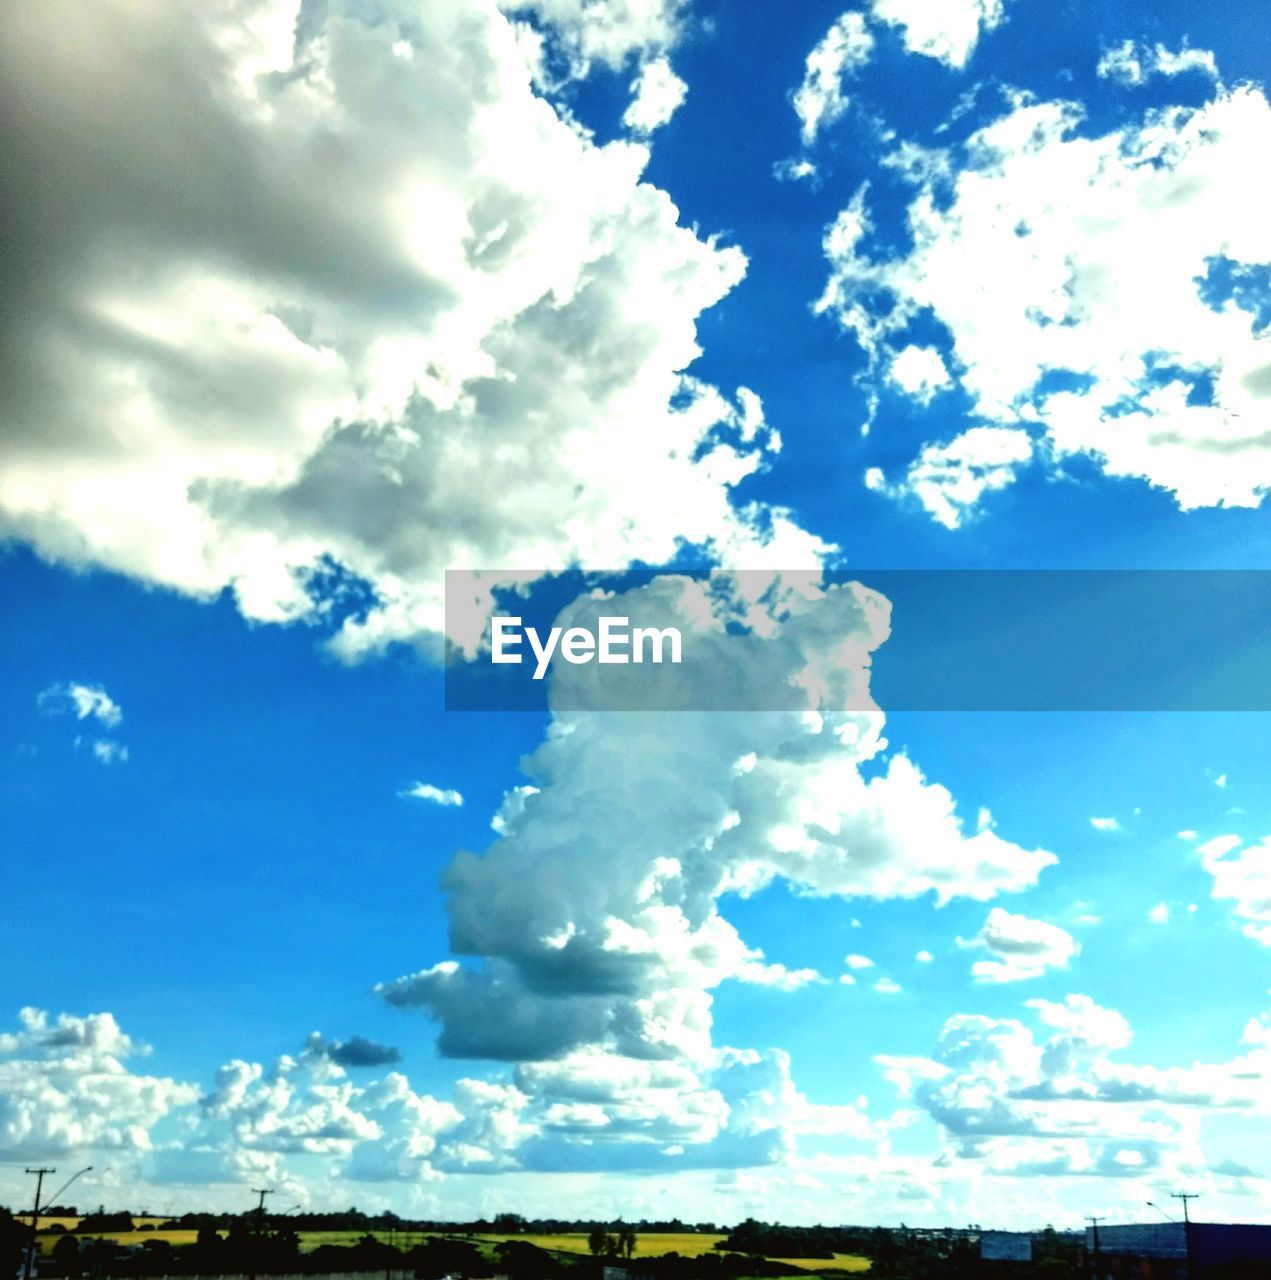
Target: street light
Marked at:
38, 1209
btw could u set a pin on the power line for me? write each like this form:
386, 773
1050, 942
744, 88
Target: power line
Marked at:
37, 1209
1184, 1196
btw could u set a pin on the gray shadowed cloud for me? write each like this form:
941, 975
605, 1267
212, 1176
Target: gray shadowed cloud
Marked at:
357, 1051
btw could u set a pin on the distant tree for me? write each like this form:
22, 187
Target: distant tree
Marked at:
100, 1256
66, 1255
509, 1223
157, 1258
598, 1241
626, 1239
208, 1238
443, 1256
279, 1252
522, 1260
102, 1221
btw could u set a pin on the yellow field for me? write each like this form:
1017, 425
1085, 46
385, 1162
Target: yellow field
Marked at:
688, 1244
140, 1237
840, 1262
69, 1224
402, 1239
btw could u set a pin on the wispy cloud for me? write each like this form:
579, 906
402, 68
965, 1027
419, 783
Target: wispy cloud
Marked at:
433, 795
84, 701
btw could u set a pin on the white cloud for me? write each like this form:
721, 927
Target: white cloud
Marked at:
1124, 321
446, 797
87, 702
819, 101
792, 170
760, 974
949, 480
656, 95
1221, 781
919, 372
1059, 1099
1134, 64
1242, 876
858, 962
84, 701
1064, 1103
435, 316
1159, 914
64, 1087
108, 751
924, 957
611, 32
1021, 947
947, 30
888, 986
597, 913
1105, 824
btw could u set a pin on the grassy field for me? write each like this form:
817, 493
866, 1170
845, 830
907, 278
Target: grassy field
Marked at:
689, 1244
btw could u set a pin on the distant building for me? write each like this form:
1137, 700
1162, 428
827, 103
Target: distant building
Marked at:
1174, 1250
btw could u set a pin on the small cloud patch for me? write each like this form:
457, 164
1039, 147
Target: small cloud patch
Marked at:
448, 799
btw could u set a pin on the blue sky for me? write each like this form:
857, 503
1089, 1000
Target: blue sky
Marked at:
316, 302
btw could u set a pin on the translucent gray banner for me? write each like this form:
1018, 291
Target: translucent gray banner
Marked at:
854, 640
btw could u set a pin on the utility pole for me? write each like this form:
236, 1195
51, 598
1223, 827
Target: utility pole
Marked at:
254, 1251
1185, 1196
35, 1219
1098, 1257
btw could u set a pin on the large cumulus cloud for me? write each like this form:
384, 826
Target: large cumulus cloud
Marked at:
593, 920
293, 288
65, 1086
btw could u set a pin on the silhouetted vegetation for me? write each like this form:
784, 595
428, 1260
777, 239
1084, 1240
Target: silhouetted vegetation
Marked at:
102, 1221
13, 1239
906, 1254
236, 1245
